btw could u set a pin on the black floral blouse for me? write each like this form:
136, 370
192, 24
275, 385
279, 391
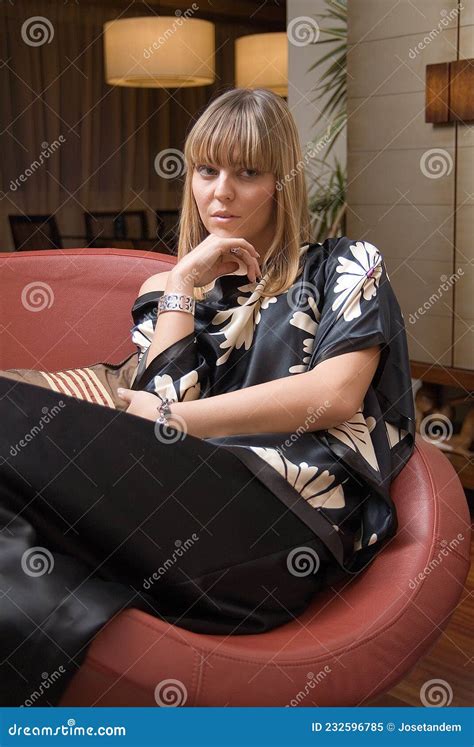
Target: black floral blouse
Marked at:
336, 480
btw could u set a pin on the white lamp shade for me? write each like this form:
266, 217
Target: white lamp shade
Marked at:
159, 52
261, 61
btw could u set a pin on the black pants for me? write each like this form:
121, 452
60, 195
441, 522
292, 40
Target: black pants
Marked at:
99, 514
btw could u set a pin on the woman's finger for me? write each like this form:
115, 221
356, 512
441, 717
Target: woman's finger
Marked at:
125, 394
226, 267
251, 262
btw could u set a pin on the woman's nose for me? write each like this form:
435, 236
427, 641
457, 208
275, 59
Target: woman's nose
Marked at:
224, 188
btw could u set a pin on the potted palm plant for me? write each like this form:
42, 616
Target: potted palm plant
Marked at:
328, 181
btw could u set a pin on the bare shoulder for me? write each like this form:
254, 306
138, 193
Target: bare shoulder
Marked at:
154, 283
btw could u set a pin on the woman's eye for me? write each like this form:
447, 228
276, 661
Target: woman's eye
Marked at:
208, 168
204, 170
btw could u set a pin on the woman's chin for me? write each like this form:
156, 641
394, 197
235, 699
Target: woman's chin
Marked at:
225, 231
228, 232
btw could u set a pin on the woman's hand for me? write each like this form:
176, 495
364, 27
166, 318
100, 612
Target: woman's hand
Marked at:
142, 404
212, 258
145, 405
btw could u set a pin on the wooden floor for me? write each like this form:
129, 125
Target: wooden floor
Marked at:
450, 659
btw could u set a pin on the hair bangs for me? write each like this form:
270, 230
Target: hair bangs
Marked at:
238, 139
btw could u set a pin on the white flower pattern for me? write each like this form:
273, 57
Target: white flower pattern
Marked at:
304, 321
394, 434
313, 487
243, 319
142, 335
189, 386
355, 433
353, 281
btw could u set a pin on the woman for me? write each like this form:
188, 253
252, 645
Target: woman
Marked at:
267, 411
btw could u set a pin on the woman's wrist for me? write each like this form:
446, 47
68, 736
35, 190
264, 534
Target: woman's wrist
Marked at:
179, 282
183, 417
173, 324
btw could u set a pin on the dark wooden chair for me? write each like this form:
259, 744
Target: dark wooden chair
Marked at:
31, 232
106, 228
167, 227
38, 232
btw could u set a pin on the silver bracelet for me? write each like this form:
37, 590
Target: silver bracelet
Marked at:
176, 302
164, 410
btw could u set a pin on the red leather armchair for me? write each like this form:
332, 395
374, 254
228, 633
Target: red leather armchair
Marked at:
356, 640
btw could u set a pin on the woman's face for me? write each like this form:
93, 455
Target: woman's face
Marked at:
245, 194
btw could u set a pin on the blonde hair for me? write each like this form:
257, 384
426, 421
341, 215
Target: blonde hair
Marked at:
262, 126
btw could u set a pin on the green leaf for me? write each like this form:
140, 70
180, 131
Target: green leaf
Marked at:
327, 185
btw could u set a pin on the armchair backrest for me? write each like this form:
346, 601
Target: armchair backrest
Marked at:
68, 308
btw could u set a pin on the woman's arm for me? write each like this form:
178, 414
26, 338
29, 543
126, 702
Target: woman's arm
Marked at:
334, 389
172, 325
315, 400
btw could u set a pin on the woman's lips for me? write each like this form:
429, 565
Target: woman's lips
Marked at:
221, 219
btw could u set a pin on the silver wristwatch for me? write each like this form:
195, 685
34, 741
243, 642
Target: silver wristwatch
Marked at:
176, 302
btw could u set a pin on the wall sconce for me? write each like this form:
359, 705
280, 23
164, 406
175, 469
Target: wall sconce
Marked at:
261, 61
159, 52
449, 92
